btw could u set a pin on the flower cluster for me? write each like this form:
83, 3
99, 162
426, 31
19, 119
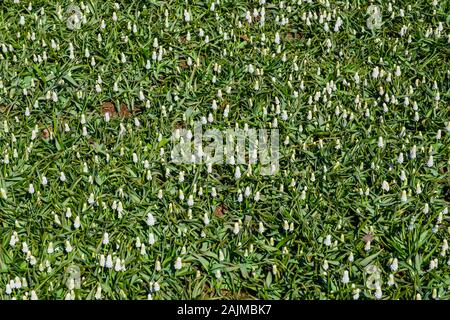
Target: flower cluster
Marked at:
91, 93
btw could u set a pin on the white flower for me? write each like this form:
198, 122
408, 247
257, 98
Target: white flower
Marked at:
14, 239
413, 152
91, 199
150, 219
285, 225
404, 197
190, 201
394, 265
187, 16
34, 295
68, 213
98, 293
303, 195
31, 189
109, 262
25, 247
77, 223
444, 245
380, 142
247, 192
143, 251
237, 174
375, 72
277, 38
102, 261
356, 294
151, 239
418, 188
398, 72
430, 161
261, 228
105, 239
120, 209
3, 193
236, 228
8, 289
385, 185
345, 277
391, 281
178, 264
206, 219
433, 264
403, 175
118, 265
68, 246
327, 241
378, 293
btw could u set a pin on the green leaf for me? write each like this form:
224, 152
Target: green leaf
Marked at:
369, 259
269, 279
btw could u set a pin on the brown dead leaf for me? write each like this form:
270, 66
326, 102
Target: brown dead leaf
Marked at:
183, 63
46, 133
224, 103
4, 108
368, 237
179, 125
108, 107
220, 210
137, 110
124, 112
209, 292
244, 37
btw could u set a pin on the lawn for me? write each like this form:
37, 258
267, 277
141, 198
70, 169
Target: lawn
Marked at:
93, 205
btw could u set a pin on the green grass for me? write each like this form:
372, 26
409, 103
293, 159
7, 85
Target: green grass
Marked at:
333, 135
